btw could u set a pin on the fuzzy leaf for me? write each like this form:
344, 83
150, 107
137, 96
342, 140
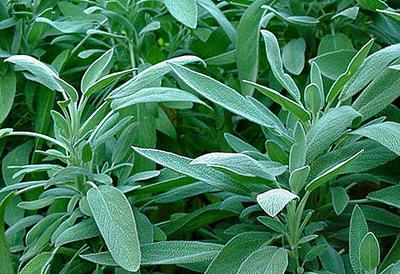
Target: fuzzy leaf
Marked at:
273, 201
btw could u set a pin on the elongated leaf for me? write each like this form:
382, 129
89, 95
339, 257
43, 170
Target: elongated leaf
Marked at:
149, 75
247, 45
372, 66
86, 229
77, 26
369, 252
183, 11
275, 61
358, 230
38, 71
330, 173
6, 264
7, 94
298, 178
18, 156
293, 107
268, 259
114, 218
352, 68
225, 97
386, 133
182, 165
95, 70
155, 95
235, 162
273, 201
306, 21
213, 9
327, 130
229, 260
389, 196
36, 264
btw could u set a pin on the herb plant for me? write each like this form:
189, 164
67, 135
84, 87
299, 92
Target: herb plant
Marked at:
199, 136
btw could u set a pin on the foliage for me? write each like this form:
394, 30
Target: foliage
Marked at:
199, 136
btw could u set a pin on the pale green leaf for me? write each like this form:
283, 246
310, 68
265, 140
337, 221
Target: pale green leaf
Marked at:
274, 200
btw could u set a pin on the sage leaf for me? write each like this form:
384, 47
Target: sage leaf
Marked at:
358, 230
114, 218
183, 11
274, 200
369, 252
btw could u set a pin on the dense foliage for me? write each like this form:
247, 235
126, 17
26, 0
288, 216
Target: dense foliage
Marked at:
200, 136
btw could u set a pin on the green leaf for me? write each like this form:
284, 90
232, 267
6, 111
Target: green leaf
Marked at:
313, 100
379, 94
287, 104
374, 65
330, 173
95, 70
150, 75
155, 95
306, 21
340, 199
237, 163
352, 68
334, 42
38, 71
6, 263
182, 165
333, 64
37, 264
114, 218
358, 230
178, 252
7, 93
349, 13
389, 196
328, 129
86, 229
293, 55
275, 61
267, 259
274, 200
298, 179
272, 223
183, 11
386, 133
16, 157
247, 45
226, 97
219, 16
228, 260
68, 26
373, 4
369, 252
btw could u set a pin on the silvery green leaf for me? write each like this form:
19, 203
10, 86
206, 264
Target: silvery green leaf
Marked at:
307, 21
69, 26
228, 260
384, 133
358, 230
274, 200
269, 259
340, 199
155, 95
114, 218
389, 196
219, 16
39, 72
293, 55
238, 163
330, 173
333, 64
247, 45
146, 77
349, 13
313, 100
86, 229
36, 264
7, 93
202, 173
298, 179
183, 11
352, 68
328, 129
225, 96
287, 104
96, 69
370, 68
275, 61
369, 252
